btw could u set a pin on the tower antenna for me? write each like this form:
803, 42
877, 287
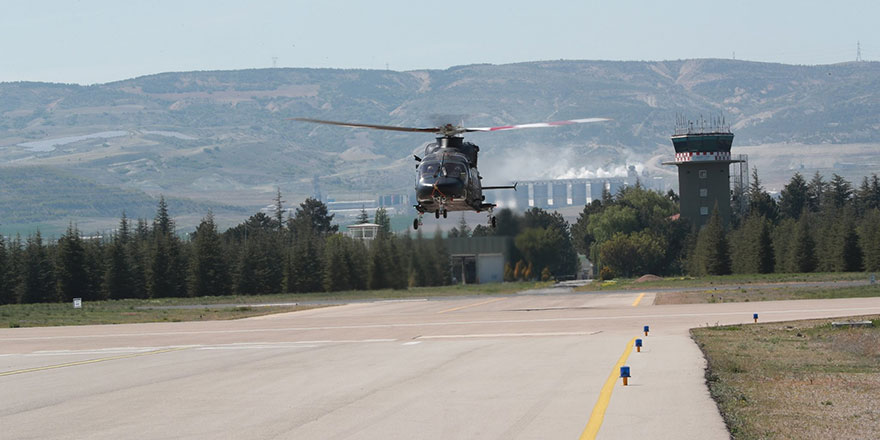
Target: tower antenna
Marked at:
858, 51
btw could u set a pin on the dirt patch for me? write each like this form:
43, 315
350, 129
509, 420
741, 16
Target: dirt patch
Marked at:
648, 277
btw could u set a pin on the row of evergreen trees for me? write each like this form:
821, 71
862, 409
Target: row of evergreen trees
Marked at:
265, 254
815, 226
824, 226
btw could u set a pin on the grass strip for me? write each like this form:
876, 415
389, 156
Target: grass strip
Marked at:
800, 379
776, 293
723, 280
129, 311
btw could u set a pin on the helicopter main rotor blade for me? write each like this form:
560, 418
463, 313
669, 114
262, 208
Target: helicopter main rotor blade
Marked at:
535, 125
373, 126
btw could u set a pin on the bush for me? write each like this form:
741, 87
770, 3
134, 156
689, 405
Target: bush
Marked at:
606, 273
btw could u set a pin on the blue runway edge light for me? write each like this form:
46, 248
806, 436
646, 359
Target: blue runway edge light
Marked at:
624, 372
638, 342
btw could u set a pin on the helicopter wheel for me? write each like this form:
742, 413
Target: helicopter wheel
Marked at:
415, 224
444, 213
437, 214
492, 221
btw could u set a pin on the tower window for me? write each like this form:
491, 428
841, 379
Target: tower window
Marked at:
704, 210
704, 192
703, 174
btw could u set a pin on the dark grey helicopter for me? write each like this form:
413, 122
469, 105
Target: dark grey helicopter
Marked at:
447, 177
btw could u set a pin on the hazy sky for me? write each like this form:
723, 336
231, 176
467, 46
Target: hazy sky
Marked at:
97, 41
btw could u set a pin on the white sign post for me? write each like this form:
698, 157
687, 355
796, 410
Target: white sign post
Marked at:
77, 303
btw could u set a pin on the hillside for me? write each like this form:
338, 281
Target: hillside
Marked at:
224, 137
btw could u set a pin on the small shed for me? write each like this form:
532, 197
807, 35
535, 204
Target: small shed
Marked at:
478, 260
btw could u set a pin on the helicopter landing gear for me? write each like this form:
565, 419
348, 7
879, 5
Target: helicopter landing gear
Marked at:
445, 212
492, 222
437, 214
417, 222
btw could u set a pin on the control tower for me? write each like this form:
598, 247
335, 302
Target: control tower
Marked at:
702, 155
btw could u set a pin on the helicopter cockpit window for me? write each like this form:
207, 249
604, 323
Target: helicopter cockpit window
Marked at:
453, 170
429, 167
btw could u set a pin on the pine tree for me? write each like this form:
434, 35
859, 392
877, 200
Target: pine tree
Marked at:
208, 271
279, 209
852, 252
817, 191
38, 276
794, 197
712, 249
312, 215
305, 268
803, 252
7, 293
869, 239
246, 279
381, 218
356, 256
765, 252
71, 268
118, 280
760, 201
336, 269
840, 191
167, 268
162, 223
363, 217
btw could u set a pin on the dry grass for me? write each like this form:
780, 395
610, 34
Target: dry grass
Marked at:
796, 380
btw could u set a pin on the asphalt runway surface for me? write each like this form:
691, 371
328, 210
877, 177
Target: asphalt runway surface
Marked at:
528, 366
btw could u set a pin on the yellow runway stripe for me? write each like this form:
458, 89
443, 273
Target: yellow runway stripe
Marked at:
90, 361
639, 299
472, 305
598, 414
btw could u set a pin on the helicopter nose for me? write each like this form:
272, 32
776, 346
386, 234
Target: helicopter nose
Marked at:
442, 186
450, 187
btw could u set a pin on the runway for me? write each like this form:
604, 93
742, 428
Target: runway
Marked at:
514, 366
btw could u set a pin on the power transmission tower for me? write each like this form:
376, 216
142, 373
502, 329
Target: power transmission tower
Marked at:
858, 51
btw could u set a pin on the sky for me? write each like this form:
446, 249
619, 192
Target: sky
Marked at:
99, 41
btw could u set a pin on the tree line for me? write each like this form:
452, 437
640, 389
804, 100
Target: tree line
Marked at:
265, 254
814, 226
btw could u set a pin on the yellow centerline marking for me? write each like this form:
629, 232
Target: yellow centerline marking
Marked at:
90, 361
639, 299
471, 305
598, 414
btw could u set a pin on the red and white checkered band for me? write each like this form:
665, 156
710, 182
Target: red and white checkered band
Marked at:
700, 156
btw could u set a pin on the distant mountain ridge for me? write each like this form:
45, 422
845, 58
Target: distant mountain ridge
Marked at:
223, 136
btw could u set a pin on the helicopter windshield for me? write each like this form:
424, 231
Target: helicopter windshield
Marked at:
453, 170
429, 167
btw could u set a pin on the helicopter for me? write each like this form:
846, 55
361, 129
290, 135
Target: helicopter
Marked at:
447, 178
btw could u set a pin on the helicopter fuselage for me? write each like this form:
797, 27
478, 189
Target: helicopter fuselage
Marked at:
447, 178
